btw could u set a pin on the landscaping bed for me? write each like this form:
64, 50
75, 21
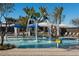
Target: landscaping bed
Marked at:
7, 46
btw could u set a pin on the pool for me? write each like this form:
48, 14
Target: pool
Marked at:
41, 43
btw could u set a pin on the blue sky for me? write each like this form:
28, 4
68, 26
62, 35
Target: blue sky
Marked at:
71, 10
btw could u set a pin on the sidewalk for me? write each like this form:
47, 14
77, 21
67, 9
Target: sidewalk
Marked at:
39, 52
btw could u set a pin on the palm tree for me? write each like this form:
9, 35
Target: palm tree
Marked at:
43, 13
29, 13
75, 21
57, 16
33, 15
23, 22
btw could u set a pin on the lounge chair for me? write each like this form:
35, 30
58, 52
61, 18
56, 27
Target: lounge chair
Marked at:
77, 35
70, 34
73, 34
65, 33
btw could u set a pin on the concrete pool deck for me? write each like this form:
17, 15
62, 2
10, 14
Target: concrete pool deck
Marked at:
40, 52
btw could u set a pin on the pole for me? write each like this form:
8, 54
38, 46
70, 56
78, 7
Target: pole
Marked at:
58, 28
15, 31
36, 32
6, 30
57, 45
57, 31
27, 27
49, 31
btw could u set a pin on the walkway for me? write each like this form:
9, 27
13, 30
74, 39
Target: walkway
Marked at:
39, 52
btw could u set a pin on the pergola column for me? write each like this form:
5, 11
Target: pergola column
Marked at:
15, 31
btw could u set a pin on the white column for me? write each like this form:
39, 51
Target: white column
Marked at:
57, 45
29, 32
36, 32
15, 31
58, 32
58, 28
49, 27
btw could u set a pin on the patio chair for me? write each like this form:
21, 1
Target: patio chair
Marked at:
73, 34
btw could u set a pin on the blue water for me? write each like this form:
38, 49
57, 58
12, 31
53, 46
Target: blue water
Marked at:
42, 43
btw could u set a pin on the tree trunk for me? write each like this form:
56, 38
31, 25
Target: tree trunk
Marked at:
23, 33
6, 30
57, 27
2, 40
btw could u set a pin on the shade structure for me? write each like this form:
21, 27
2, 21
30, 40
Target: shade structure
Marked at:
44, 24
63, 25
4, 25
19, 26
33, 26
67, 26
